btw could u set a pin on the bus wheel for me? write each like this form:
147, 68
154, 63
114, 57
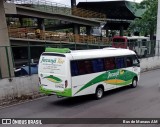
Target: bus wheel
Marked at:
99, 92
134, 83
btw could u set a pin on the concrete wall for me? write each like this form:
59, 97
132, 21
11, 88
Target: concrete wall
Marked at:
18, 88
10, 8
150, 63
28, 86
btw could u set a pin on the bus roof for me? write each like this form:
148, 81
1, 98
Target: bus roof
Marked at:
137, 37
97, 53
132, 37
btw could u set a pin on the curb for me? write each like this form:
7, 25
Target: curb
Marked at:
11, 101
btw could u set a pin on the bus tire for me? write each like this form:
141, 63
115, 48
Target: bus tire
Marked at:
134, 82
99, 92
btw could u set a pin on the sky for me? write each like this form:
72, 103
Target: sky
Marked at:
67, 2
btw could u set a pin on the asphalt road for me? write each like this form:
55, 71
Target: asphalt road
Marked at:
140, 102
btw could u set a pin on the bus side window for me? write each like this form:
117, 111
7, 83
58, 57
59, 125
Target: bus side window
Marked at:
85, 67
74, 68
120, 62
109, 63
129, 62
81, 67
98, 65
88, 66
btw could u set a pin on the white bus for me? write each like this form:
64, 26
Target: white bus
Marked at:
82, 72
140, 44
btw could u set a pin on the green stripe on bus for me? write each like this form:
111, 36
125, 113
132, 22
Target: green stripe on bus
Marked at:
124, 75
67, 92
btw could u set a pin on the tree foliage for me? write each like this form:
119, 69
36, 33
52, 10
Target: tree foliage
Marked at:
147, 23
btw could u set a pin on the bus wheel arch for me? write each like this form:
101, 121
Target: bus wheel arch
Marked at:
134, 82
99, 91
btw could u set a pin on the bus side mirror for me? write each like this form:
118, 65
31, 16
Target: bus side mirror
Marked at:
136, 64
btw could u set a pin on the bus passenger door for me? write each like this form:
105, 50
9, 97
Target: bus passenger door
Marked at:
129, 68
111, 72
136, 65
121, 73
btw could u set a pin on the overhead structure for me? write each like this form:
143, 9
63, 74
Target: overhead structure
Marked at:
21, 11
119, 13
119, 9
6, 65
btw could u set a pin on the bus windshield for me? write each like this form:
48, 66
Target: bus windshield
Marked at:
118, 40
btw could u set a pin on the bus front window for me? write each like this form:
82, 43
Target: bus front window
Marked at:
119, 43
116, 40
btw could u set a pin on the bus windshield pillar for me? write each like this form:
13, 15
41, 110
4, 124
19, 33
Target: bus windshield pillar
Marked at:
121, 31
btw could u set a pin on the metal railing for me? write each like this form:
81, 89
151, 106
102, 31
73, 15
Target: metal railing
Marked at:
54, 7
87, 13
44, 5
25, 58
28, 33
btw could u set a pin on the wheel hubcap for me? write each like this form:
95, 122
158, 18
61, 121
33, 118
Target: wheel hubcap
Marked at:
99, 93
134, 83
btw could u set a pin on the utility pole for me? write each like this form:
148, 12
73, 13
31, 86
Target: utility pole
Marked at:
73, 3
158, 31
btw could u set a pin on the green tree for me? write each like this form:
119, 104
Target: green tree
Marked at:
148, 21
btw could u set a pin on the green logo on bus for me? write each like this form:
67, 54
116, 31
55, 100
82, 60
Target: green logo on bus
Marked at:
53, 79
48, 60
111, 75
